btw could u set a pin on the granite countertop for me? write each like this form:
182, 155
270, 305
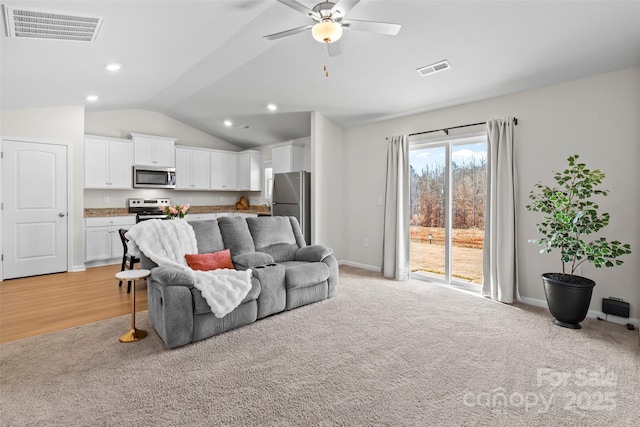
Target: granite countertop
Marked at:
101, 212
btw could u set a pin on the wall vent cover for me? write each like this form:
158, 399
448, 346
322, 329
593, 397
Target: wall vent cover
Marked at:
434, 68
35, 24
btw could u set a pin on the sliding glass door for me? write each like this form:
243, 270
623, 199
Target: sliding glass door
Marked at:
448, 192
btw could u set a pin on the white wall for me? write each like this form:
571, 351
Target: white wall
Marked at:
57, 124
327, 183
596, 117
120, 123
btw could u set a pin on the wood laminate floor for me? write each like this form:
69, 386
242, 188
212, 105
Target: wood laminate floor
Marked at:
41, 304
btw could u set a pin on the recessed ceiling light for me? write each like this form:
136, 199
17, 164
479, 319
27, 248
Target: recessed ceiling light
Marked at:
92, 98
113, 67
272, 107
228, 123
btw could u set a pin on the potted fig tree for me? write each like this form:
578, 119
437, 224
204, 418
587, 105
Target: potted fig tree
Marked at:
570, 220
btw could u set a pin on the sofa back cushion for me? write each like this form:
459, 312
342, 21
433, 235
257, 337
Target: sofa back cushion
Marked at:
295, 226
274, 236
235, 235
208, 236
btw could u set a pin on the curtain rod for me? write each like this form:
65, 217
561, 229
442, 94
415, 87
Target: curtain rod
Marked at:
446, 130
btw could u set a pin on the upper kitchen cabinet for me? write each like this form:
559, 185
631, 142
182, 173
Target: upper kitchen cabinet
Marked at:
192, 168
287, 157
223, 170
107, 162
249, 170
152, 150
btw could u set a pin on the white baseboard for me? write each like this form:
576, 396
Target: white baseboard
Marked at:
359, 265
591, 313
77, 268
100, 263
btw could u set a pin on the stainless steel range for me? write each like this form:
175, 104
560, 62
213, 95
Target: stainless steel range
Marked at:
148, 208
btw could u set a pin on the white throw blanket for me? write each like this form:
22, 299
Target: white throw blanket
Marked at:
167, 242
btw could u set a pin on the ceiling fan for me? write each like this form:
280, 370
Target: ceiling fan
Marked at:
329, 18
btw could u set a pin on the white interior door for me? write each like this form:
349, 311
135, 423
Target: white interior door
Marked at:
34, 226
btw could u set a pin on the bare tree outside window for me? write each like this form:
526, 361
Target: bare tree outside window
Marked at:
434, 183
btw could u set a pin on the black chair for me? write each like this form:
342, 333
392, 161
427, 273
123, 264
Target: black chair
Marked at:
126, 257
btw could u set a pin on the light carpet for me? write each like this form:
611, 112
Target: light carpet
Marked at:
381, 353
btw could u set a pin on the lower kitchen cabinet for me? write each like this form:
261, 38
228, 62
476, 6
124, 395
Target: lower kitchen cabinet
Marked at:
200, 217
102, 240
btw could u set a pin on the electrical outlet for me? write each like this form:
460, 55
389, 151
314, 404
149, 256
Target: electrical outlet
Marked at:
222, 199
365, 243
380, 200
189, 199
106, 199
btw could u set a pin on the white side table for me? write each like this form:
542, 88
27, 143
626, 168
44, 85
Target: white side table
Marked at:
133, 334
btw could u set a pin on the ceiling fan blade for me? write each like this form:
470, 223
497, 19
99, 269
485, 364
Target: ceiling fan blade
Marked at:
372, 26
334, 49
342, 7
290, 32
293, 4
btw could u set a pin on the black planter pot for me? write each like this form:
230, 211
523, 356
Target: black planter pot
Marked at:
568, 298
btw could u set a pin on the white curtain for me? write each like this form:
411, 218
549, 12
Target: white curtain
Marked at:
395, 242
499, 281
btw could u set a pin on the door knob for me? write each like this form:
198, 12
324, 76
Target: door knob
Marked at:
61, 214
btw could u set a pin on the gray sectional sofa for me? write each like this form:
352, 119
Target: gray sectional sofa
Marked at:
286, 274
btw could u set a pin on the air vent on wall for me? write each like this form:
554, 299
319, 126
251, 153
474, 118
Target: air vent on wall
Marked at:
434, 68
50, 25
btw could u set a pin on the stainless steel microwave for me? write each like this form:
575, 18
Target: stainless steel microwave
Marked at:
154, 177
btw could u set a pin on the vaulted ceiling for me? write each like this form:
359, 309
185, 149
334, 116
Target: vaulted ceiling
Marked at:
203, 62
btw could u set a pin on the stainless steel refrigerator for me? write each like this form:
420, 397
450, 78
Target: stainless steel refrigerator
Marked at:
292, 197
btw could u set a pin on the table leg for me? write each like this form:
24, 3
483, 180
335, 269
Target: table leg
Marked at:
134, 334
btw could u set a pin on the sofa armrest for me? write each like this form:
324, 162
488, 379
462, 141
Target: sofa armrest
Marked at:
251, 259
171, 276
313, 253
171, 306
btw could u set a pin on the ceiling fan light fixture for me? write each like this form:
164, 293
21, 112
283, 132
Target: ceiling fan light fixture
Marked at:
327, 31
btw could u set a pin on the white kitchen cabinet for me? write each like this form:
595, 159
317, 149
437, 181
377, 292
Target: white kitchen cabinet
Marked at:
200, 217
245, 215
287, 157
193, 168
249, 170
236, 214
150, 150
223, 170
102, 240
107, 162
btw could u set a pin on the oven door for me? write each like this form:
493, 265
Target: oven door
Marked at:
151, 177
145, 217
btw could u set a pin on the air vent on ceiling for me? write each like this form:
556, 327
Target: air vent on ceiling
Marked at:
50, 25
434, 68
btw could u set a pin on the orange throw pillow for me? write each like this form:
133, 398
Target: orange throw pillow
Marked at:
212, 261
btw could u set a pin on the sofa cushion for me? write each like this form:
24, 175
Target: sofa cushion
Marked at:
200, 305
300, 274
313, 253
208, 236
251, 259
273, 236
280, 252
211, 261
235, 235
